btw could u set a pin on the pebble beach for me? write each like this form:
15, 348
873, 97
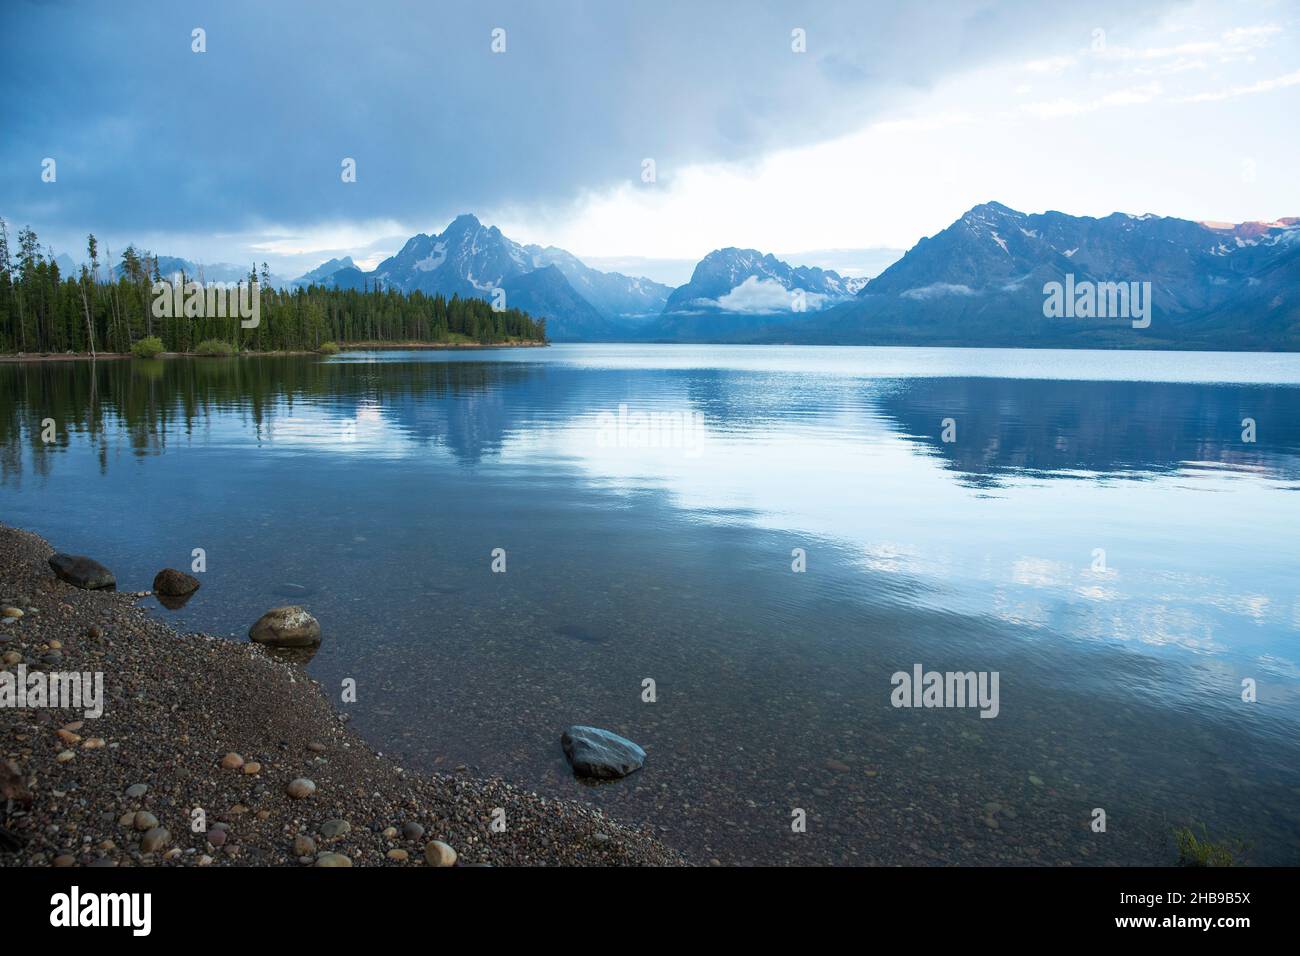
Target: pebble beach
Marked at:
214, 752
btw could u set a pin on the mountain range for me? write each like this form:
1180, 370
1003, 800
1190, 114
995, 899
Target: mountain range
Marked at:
980, 282
584, 304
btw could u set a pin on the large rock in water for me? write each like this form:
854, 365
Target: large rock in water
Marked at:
598, 753
289, 626
79, 570
172, 583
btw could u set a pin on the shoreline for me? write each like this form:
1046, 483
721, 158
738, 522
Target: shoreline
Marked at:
26, 357
174, 705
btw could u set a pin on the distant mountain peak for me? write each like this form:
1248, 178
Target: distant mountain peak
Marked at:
735, 280
991, 209
465, 223
1251, 229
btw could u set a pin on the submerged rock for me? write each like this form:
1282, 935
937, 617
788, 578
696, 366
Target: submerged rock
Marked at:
289, 626
174, 584
82, 572
593, 752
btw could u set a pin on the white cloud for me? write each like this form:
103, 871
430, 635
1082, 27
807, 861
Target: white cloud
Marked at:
756, 295
1070, 107
938, 290
1261, 86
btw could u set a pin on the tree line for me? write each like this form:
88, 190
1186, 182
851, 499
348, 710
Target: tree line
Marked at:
103, 309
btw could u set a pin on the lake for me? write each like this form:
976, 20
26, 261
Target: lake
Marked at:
1097, 532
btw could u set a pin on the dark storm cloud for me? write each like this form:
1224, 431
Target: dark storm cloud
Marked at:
150, 136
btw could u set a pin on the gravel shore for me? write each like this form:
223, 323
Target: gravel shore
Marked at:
196, 722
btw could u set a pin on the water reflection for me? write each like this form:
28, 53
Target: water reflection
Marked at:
374, 488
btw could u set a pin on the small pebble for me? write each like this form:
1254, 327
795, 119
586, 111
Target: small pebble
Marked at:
155, 840
412, 830
333, 829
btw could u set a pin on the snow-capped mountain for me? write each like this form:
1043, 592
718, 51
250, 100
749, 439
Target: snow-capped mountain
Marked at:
471, 259
735, 280
466, 259
981, 282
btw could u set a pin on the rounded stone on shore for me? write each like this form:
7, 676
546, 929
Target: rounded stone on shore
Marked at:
289, 626
303, 845
144, 820
397, 854
136, 790
252, 767
14, 612
172, 583
82, 572
301, 788
437, 853
333, 859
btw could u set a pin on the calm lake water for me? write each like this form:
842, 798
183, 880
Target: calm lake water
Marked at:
1097, 532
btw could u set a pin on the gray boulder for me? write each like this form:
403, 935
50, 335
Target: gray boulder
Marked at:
289, 626
82, 572
593, 752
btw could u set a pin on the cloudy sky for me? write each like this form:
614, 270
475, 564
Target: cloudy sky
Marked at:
896, 119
